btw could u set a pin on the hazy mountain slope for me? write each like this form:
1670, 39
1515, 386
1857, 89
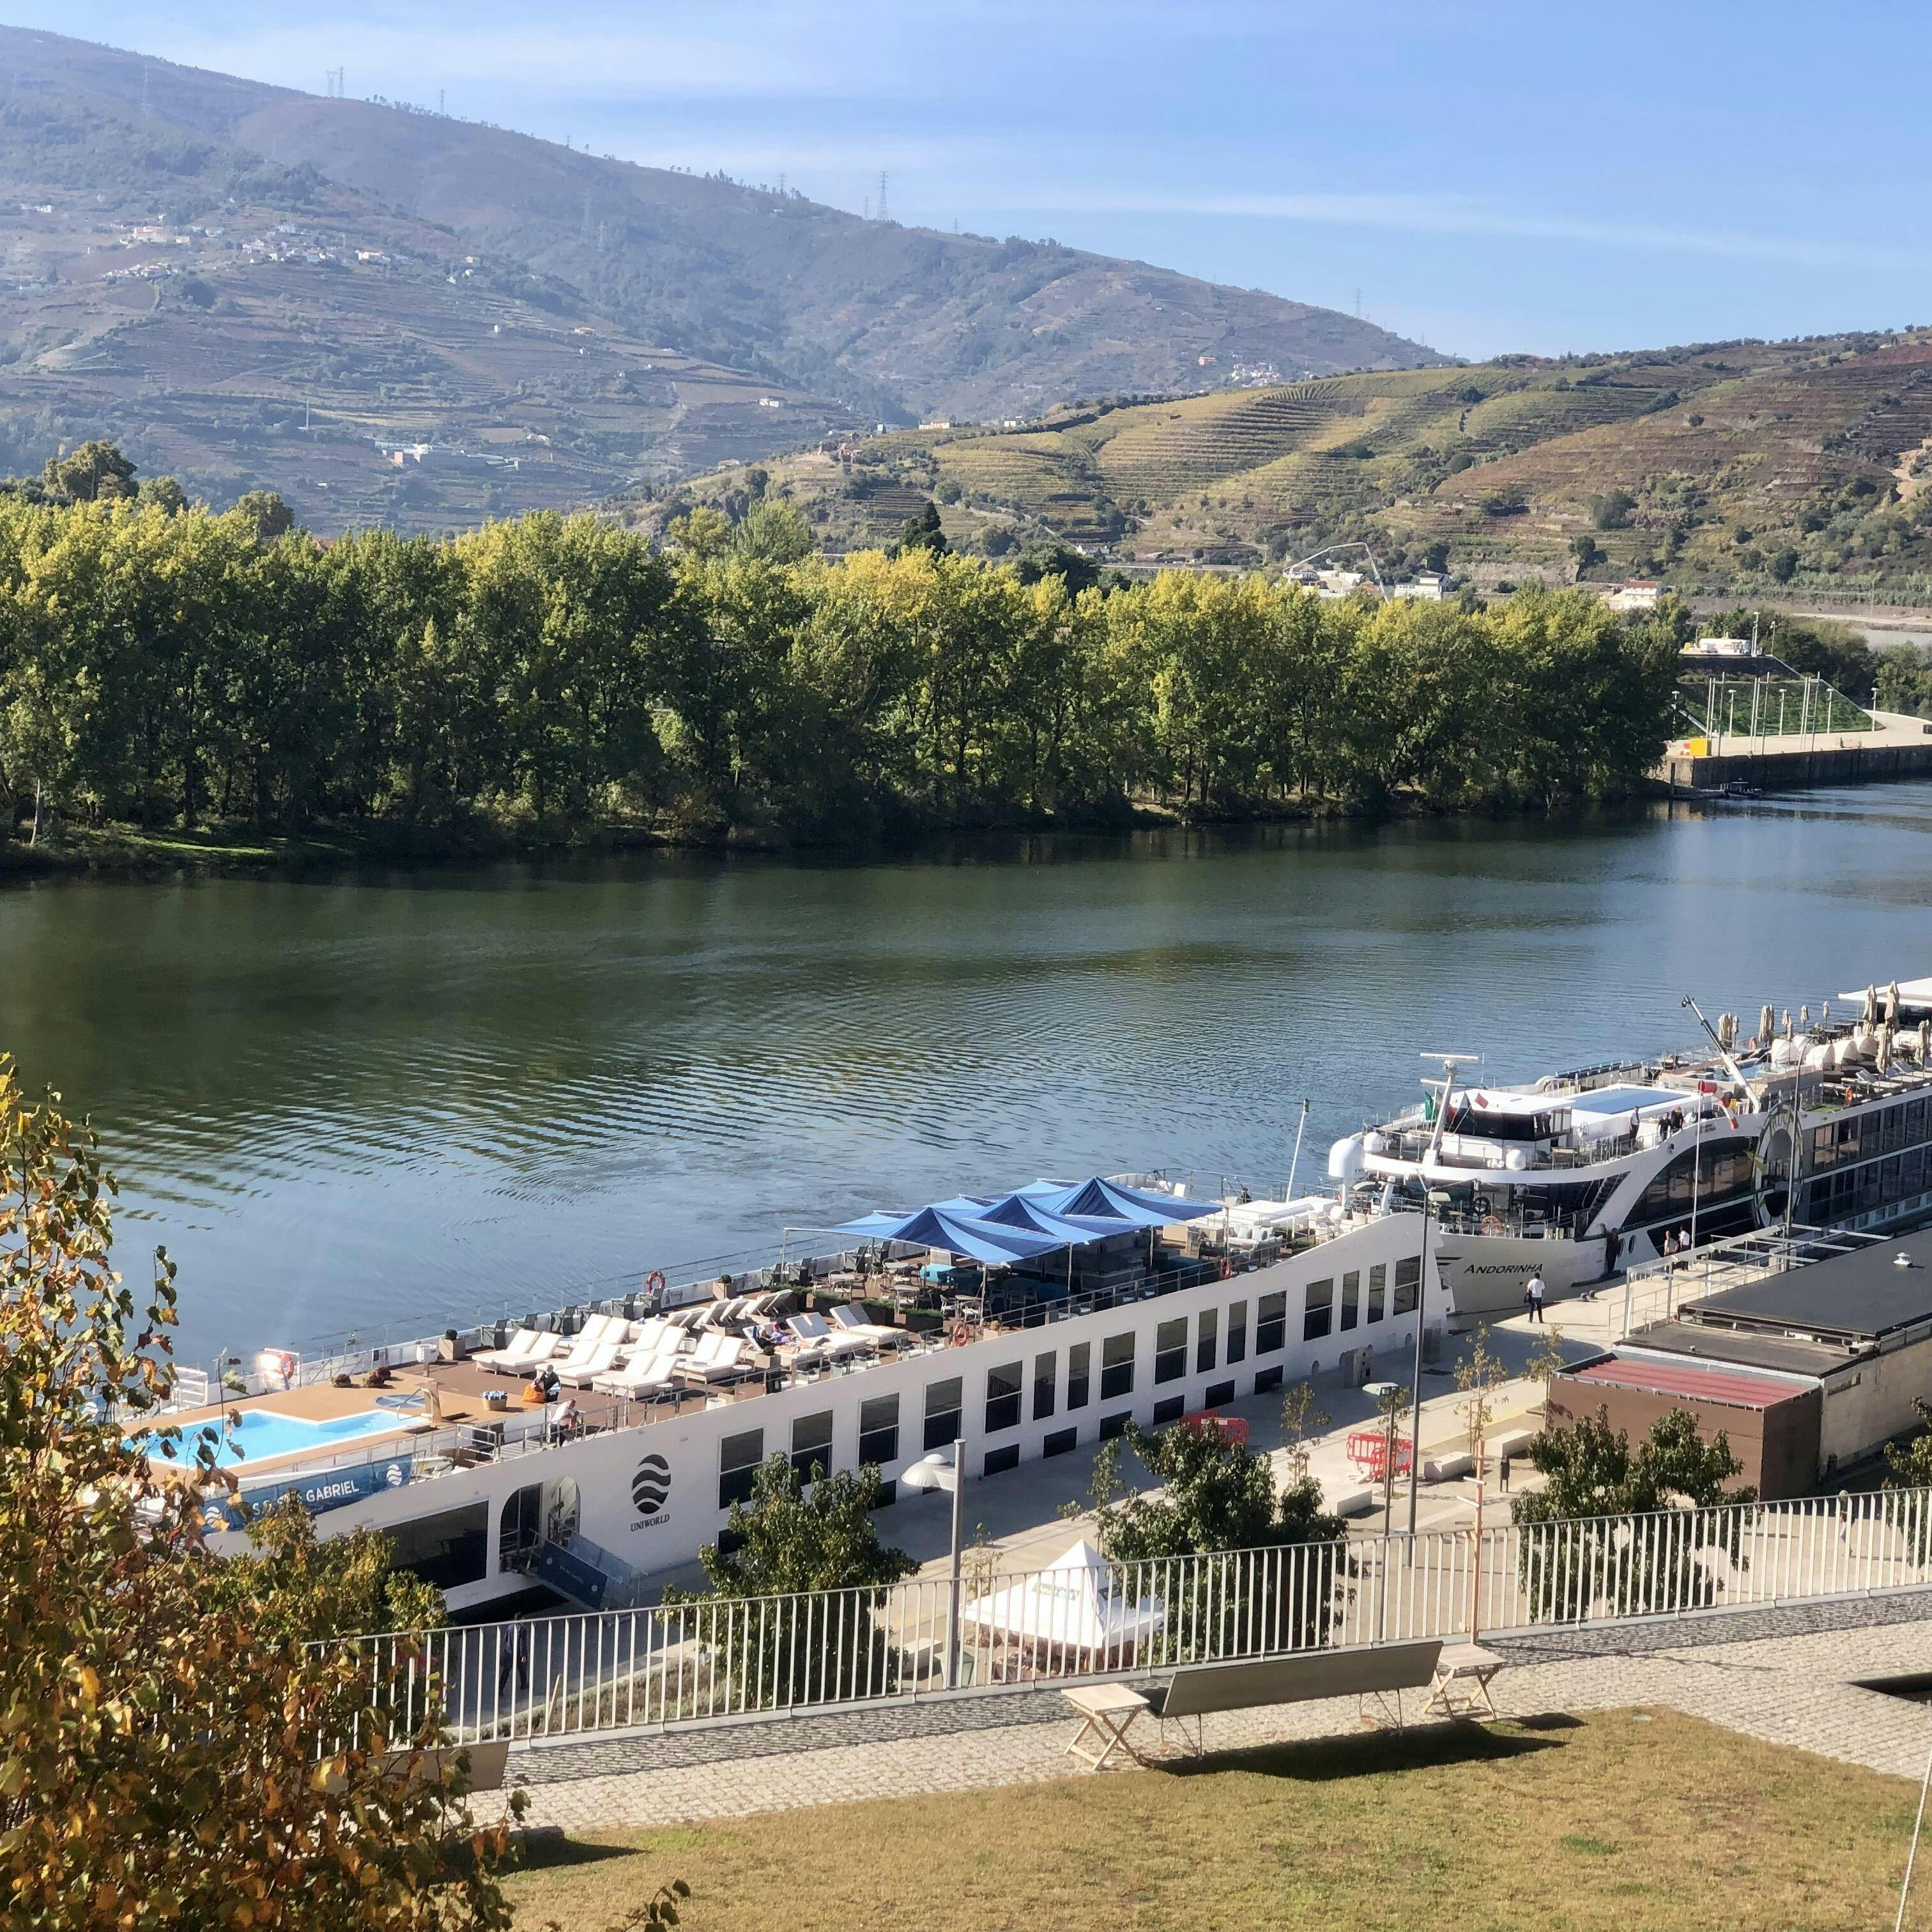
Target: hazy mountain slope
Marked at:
893, 318
1743, 464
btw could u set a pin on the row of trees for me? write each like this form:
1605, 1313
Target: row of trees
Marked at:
164, 665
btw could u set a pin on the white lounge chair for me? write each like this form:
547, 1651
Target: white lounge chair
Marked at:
581, 1372
851, 1319
717, 1358
819, 1338
546, 1345
645, 1373
520, 1343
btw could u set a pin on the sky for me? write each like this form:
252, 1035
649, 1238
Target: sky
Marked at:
1546, 177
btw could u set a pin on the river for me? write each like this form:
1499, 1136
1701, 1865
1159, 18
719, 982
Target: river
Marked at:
382, 1103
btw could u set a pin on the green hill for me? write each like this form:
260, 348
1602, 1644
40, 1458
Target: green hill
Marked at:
1737, 464
246, 285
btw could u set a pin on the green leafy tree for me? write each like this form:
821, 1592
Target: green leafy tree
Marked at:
1216, 1496
923, 531
185, 1739
1592, 1479
798, 1534
95, 473
1908, 1466
265, 509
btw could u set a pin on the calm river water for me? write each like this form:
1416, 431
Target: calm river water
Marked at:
383, 1103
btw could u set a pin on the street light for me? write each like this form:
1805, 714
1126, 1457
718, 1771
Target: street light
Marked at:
940, 1470
1384, 1396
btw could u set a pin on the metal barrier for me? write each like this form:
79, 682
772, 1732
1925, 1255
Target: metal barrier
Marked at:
564, 1677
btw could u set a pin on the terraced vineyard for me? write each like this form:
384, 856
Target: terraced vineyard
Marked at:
1734, 465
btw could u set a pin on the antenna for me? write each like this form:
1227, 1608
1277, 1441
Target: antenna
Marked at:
1358, 305
883, 215
439, 108
781, 184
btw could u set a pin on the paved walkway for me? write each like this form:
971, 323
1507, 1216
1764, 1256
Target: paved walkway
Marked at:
1787, 1676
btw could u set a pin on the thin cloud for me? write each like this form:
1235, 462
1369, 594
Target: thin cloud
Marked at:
1447, 215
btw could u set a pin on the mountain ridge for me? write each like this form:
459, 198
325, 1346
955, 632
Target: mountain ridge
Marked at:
786, 318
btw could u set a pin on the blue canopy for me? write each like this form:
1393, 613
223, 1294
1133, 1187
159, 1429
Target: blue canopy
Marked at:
956, 1234
1107, 1200
1024, 1210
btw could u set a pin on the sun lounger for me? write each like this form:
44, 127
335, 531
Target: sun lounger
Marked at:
581, 1373
519, 1344
643, 1374
546, 1345
851, 1319
717, 1358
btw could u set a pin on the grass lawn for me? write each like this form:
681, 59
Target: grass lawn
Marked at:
1609, 1821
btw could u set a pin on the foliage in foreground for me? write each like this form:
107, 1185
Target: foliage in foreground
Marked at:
164, 665
1217, 1496
794, 1536
1591, 1477
171, 1748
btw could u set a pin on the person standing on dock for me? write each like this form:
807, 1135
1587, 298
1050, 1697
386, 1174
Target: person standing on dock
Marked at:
1533, 1296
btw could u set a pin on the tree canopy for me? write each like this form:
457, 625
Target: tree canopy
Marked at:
186, 1741
555, 676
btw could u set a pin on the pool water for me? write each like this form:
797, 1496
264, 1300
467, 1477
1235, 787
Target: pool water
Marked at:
254, 1434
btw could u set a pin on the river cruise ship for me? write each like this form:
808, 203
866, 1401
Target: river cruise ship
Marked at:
1576, 1176
596, 1451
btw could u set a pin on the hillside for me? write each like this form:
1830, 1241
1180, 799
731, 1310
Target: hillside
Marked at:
1734, 465
200, 266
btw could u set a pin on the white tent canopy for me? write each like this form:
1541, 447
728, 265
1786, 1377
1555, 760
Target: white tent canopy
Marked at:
1070, 1605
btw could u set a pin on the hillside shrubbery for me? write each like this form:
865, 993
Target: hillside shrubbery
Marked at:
167, 666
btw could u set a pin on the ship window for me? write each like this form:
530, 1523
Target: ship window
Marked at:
738, 1459
1408, 1285
879, 1429
1887, 1178
1205, 1338
943, 1401
448, 1549
1117, 1367
1378, 1291
1045, 1372
1848, 1140
1079, 1369
1915, 1121
1724, 1171
1891, 1125
1170, 1351
1003, 1397
1319, 1316
1824, 1146
1270, 1322
520, 1529
1238, 1332
1352, 1297
811, 1443
999, 1461
1911, 1171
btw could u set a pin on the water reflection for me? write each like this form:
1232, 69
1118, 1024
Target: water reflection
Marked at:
391, 1100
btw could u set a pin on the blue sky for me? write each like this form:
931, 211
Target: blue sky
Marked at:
1489, 177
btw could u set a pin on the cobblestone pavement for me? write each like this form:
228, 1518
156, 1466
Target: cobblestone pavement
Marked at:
1787, 1676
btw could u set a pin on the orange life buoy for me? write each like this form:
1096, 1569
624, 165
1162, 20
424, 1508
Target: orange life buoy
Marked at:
962, 1333
1227, 1268
654, 1280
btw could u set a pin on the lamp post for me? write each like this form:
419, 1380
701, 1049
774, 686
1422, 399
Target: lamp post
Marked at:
939, 1470
1383, 1395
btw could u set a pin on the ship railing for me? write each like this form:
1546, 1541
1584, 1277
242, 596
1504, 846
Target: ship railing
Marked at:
556, 1678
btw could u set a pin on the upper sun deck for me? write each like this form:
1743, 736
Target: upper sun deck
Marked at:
423, 1408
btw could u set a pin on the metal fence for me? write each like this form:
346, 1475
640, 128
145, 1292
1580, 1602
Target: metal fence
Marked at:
567, 1677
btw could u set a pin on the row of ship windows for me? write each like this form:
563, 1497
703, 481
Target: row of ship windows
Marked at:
1214, 1344
1837, 1142
1892, 1179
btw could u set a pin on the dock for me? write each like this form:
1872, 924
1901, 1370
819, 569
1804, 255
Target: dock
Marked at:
1899, 747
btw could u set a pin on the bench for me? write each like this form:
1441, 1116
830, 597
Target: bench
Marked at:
1197, 1691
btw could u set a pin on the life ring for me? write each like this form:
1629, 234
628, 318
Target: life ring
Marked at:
1491, 1224
1227, 1268
654, 1280
962, 1333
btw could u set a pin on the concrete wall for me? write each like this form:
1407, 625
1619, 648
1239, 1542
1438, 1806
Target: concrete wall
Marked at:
1778, 1445
1791, 771
1872, 1402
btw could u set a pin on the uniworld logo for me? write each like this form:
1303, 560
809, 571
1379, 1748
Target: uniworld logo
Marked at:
651, 1485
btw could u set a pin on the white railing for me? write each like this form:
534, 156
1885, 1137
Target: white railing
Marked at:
563, 1677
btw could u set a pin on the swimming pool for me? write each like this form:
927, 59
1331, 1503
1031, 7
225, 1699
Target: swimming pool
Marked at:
252, 1435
